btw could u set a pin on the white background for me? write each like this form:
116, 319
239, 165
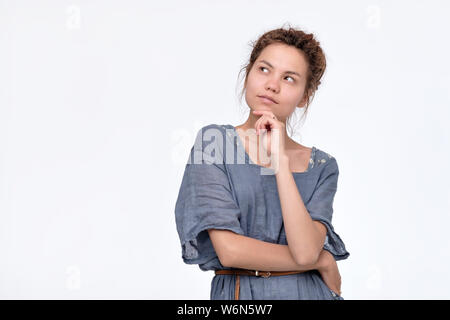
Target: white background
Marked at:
100, 102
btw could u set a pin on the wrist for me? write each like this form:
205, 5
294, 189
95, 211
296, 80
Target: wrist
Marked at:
282, 162
283, 159
322, 262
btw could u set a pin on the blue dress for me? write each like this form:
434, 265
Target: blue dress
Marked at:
223, 189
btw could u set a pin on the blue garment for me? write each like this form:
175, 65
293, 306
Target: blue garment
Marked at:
223, 189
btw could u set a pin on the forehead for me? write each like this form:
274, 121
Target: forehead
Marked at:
284, 57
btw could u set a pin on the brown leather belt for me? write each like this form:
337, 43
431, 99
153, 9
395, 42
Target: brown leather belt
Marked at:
256, 273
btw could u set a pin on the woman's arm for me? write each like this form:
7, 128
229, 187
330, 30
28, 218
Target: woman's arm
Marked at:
304, 235
238, 251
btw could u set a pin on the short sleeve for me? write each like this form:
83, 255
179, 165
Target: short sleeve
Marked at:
320, 207
205, 201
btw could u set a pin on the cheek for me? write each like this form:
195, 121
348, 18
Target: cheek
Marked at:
254, 87
253, 82
294, 95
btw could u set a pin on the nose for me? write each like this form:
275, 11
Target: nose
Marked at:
272, 85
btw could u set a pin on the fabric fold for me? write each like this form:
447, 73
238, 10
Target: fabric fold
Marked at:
320, 207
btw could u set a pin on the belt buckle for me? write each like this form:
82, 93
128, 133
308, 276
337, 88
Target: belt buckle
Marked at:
262, 275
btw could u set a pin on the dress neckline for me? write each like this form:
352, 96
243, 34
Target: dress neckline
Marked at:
250, 162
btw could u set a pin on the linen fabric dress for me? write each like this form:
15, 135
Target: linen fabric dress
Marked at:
223, 189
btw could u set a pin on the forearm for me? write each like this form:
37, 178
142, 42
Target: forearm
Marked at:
253, 254
301, 233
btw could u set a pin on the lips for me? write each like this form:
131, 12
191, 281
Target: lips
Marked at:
267, 99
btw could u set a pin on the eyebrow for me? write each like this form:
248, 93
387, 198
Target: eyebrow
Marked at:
288, 72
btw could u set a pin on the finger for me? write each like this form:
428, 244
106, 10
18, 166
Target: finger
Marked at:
262, 122
257, 126
267, 122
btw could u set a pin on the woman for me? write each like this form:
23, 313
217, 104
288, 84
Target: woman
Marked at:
249, 191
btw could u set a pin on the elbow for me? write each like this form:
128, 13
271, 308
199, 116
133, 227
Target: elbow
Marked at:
306, 259
304, 262
308, 256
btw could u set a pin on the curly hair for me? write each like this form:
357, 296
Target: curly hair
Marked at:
308, 46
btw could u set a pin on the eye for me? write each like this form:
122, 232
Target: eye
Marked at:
293, 80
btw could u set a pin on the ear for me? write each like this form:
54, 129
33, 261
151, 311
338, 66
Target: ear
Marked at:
302, 103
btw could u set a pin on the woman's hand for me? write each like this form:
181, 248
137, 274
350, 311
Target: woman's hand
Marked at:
265, 126
329, 271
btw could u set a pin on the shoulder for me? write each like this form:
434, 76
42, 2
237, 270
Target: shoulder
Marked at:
209, 142
323, 156
325, 160
213, 135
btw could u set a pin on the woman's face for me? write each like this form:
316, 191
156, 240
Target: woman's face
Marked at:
280, 73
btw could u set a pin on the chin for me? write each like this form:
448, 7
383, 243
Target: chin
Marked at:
263, 107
